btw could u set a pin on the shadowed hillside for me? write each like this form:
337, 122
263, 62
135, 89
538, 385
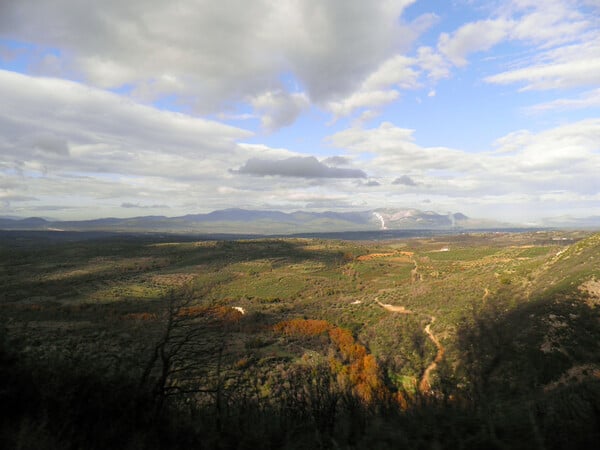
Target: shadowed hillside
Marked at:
473, 341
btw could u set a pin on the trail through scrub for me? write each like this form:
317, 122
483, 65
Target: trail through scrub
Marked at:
425, 383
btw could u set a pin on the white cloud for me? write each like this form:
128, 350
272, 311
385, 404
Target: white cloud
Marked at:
568, 41
565, 67
431, 61
73, 145
550, 23
380, 87
396, 71
383, 85
345, 54
362, 99
92, 151
588, 99
473, 37
279, 108
563, 158
390, 149
210, 52
557, 152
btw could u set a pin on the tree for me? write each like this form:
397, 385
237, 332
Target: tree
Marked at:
178, 364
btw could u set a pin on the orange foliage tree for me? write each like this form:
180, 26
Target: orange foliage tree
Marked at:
355, 368
302, 327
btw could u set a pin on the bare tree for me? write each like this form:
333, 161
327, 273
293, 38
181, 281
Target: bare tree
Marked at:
178, 361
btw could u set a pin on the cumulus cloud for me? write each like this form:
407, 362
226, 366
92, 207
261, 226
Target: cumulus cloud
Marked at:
404, 180
345, 54
278, 108
391, 148
557, 152
67, 126
433, 63
64, 143
298, 166
214, 52
563, 158
383, 85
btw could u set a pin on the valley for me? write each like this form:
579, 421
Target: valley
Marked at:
492, 335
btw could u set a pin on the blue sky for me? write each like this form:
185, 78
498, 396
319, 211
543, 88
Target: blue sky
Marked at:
490, 108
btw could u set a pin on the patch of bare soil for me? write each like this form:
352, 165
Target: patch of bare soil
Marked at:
393, 308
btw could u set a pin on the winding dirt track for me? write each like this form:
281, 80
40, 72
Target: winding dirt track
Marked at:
424, 384
486, 294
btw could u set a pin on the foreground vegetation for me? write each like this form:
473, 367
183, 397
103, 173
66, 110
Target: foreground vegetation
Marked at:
467, 341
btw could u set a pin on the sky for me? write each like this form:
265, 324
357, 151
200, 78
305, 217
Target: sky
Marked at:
128, 108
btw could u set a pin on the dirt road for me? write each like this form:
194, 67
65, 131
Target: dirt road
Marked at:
425, 383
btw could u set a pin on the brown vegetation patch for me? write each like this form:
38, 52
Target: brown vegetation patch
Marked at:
354, 367
302, 327
192, 311
220, 313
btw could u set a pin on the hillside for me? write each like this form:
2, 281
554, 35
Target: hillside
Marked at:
475, 341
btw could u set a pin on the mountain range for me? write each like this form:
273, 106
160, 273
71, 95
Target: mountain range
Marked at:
263, 222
